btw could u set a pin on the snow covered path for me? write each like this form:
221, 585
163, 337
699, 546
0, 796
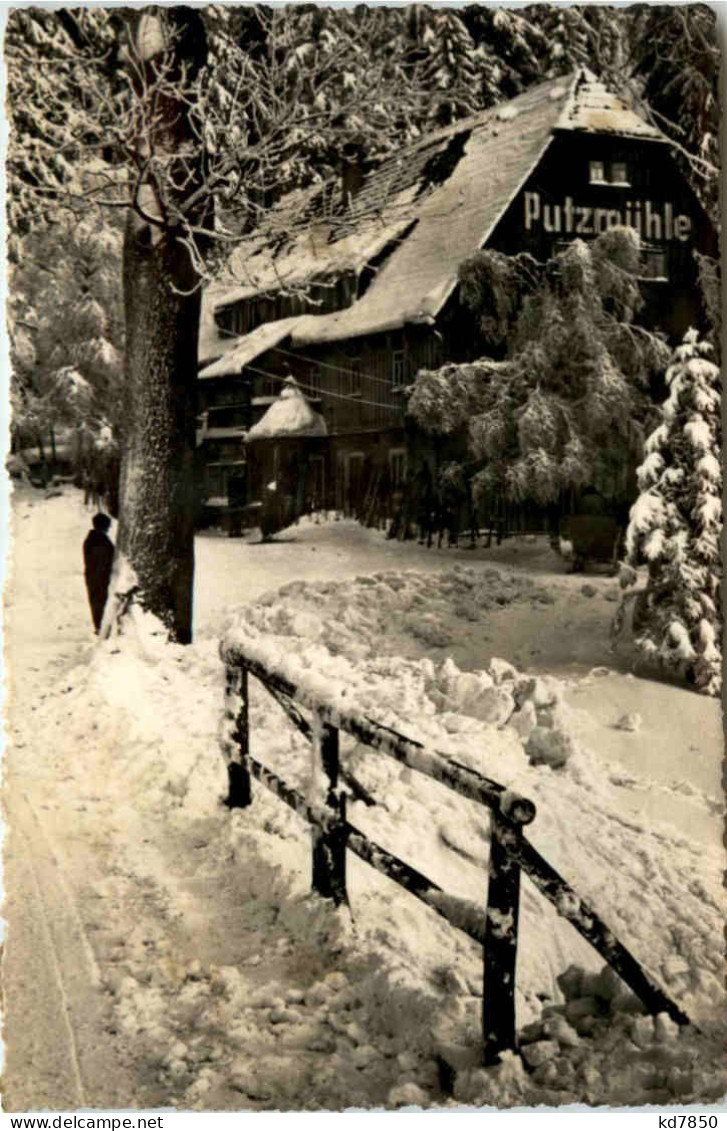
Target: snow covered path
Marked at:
59, 1048
178, 957
142, 949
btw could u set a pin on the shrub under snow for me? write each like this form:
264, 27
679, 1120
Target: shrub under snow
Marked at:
676, 523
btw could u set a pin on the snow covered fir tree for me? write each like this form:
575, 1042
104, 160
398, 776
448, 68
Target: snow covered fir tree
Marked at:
675, 526
66, 350
383, 335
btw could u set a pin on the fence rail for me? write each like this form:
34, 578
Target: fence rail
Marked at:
496, 927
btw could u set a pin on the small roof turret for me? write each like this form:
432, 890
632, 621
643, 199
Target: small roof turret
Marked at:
289, 416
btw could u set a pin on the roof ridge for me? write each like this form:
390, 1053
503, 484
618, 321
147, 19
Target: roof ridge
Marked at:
593, 107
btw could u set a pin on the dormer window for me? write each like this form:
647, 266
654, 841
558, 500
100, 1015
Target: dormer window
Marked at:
597, 172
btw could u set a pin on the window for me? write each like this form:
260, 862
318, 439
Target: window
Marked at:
350, 377
597, 172
653, 263
267, 386
213, 484
228, 416
232, 395
608, 173
314, 383
351, 490
398, 368
619, 173
316, 483
397, 466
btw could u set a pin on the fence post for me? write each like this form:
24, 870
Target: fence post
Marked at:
238, 767
500, 948
329, 846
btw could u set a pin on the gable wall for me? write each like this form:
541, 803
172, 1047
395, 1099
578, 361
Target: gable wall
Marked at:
559, 196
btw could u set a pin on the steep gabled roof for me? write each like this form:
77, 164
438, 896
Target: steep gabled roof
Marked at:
502, 149
325, 249
423, 212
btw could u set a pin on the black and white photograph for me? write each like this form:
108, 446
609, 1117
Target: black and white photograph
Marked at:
363, 580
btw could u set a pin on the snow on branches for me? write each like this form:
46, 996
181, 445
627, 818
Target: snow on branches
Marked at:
66, 340
198, 120
676, 523
565, 404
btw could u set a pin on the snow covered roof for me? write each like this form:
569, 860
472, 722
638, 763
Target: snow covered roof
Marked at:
500, 149
594, 109
246, 349
314, 253
212, 344
431, 207
289, 415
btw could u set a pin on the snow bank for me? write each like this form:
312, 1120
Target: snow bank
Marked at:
324, 1008
331, 640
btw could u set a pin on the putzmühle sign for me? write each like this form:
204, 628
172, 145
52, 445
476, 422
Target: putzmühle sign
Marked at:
655, 222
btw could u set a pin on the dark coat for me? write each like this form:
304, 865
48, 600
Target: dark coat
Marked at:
98, 557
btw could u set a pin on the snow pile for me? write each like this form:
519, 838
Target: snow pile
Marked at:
155, 719
510, 727
394, 612
306, 1024
236, 987
598, 1047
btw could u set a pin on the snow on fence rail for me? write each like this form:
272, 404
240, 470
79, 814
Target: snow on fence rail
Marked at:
496, 927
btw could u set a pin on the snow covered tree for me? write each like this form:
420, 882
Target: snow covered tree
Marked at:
562, 399
710, 285
510, 47
451, 67
676, 523
675, 64
66, 342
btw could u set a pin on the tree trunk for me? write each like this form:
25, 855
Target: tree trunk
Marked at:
157, 490
162, 307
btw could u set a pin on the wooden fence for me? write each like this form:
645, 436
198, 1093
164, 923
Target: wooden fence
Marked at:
495, 927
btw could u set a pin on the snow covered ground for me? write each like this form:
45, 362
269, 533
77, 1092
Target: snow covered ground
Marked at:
214, 979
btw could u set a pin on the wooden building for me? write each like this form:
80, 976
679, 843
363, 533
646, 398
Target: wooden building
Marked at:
355, 293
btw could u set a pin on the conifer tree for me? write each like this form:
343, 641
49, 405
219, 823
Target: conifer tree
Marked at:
66, 344
675, 525
451, 68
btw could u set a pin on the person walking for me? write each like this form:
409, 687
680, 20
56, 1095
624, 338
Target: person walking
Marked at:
98, 557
